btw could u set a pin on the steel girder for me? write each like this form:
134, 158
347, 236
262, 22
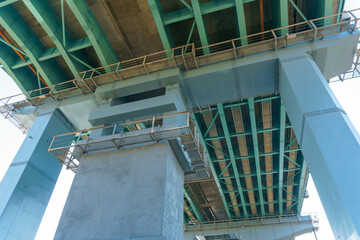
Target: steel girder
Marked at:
95, 34
289, 175
206, 8
193, 206
241, 22
164, 31
232, 157
281, 156
54, 52
24, 78
47, 19
212, 167
29, 43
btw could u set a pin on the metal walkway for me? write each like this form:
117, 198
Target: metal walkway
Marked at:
185, 57
70, 147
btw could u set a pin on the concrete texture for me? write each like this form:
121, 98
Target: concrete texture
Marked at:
329, 142
134, 193
27, 186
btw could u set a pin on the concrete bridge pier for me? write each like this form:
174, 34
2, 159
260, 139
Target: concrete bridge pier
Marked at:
328, 140
27, 185
134, 193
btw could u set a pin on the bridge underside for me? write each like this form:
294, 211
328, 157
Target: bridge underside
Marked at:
48, 42
256, 163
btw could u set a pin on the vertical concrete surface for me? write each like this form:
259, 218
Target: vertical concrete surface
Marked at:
134, 193
27, 185
328, 140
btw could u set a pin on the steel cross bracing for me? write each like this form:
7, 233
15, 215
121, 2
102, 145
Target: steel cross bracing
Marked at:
186, 57
261, 172
35, 52
194, 9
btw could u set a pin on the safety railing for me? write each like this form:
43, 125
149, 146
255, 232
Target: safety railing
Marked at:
70, 147
254, 221
186, 57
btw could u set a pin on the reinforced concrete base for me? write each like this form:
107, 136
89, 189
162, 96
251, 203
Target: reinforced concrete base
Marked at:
132, 194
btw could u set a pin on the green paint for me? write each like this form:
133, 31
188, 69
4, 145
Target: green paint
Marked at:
256, 152
212, 168
232, 156
200, 25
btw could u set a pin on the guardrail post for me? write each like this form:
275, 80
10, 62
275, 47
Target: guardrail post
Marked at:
234, 48
275, 39
194, 54
183, 57
315, 29
144, 62
113, 133
356, 20
118, 72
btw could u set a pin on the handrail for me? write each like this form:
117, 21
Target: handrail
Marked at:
252, 221
86, 82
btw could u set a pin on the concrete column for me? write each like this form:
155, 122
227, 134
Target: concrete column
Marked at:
27, 185
134, 193
328, 140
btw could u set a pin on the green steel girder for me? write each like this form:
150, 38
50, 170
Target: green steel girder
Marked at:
211, 123
7, 2
281, 155
302, 185
281, 15
29, 43
49, 22
12, 46
299, 11
232, 156
322, 8
206, 7
24, 78
193, 206
255, 174
252, 156
200, 25
54, 52
97, 37
256, 151
241, 21
164, 31
212, 168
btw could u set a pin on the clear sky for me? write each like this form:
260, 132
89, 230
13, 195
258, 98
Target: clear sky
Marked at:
11, 138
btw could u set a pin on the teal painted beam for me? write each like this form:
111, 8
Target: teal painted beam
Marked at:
54, 52
256, 152
281, 15
49, 22
193, 206
7, 2
212, 168
298, 10
322, 8
302, 185
206, 7
200, 25
97, 37
281, 156
164, 31
24, 78
241, 21
12, 46
232, 157
29, 43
